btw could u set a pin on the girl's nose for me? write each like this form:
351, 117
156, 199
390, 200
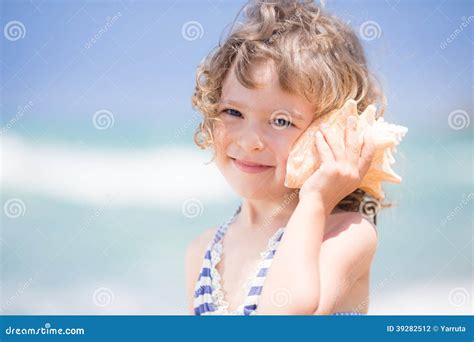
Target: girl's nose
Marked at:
250, 141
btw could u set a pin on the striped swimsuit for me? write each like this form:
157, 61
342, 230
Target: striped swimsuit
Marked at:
208, 295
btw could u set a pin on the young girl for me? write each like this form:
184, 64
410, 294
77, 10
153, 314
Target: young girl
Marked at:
286, 64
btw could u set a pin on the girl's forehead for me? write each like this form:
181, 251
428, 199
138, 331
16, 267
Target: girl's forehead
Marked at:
263, 73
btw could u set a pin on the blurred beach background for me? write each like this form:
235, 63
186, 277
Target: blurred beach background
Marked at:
102, 188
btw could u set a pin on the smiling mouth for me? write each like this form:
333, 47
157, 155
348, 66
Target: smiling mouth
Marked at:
250, 167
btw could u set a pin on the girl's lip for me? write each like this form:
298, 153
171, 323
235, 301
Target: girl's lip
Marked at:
250, 168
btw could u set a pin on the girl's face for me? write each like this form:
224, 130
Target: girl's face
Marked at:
259, 126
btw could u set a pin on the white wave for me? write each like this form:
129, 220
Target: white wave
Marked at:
161, 177
116, 298
442, 297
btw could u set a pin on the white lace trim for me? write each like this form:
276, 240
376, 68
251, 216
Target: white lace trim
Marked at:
217, 291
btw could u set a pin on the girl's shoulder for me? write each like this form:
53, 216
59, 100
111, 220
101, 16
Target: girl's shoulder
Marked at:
347, 251
199, 244
342, 220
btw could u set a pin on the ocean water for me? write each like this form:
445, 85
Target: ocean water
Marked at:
91, 228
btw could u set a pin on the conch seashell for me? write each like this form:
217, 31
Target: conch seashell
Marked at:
303, 159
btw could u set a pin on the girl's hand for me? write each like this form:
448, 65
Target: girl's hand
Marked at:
344, 162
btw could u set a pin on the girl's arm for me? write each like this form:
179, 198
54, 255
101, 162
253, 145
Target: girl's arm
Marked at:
294, 283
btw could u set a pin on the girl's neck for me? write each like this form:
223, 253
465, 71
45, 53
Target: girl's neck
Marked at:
269, 213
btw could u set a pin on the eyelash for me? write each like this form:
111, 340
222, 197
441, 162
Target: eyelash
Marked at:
234, 110
228, 109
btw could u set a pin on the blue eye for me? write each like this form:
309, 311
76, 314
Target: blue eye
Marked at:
281, 123
233, 112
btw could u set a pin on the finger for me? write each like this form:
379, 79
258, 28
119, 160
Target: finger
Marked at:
352, 144
324, 151
367, 152
369, 114
349, 108
334, 140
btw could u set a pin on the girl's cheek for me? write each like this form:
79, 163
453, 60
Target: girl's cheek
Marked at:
283, 147
227, 131
282, 166
223, 136
219, 134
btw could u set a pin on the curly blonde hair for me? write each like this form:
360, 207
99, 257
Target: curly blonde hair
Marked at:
316, 56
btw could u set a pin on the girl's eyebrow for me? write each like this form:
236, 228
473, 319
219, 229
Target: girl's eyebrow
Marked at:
294, 114
232, 103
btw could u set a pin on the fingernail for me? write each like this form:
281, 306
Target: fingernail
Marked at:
324, 125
